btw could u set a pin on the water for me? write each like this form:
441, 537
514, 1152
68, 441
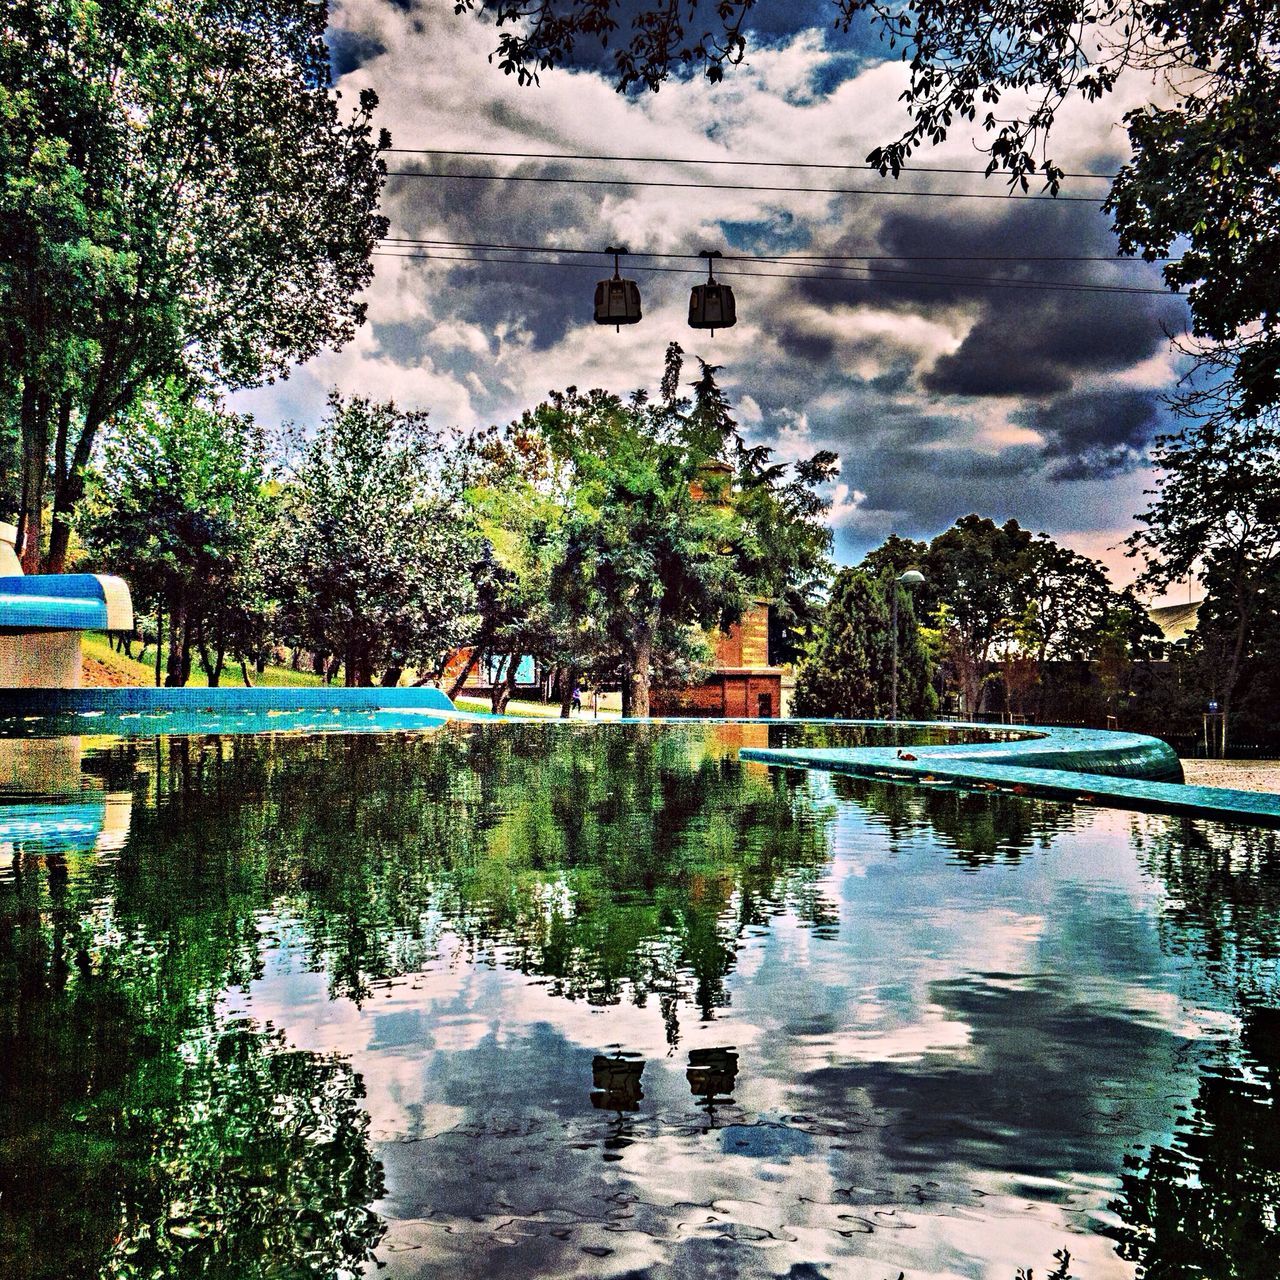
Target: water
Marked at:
602, 1001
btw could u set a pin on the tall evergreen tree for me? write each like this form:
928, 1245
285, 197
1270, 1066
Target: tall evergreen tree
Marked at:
848, 670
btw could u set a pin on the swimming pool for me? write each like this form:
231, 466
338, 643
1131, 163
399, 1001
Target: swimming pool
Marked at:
555, 1000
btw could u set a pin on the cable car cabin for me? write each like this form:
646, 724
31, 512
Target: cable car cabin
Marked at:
617, 302
711, 307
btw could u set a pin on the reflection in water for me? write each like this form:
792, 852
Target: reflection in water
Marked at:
311, 1002
615, 1082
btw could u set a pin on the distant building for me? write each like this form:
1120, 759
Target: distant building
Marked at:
741, 681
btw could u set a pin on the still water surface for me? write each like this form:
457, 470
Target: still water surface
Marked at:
603, 1001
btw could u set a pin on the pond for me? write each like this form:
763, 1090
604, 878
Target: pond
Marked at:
548, 1000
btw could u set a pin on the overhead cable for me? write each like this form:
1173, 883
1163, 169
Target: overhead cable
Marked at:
719, 161
735, 186
870, 275
815, 258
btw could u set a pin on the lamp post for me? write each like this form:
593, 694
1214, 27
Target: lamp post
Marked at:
910, 579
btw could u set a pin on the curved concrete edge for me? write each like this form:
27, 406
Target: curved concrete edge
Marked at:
35, 702
1093, 751
118, 602
1091, 766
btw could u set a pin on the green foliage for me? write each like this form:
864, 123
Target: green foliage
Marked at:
376, 553
181, 195
1215, 513
179, 508
848, 671
1003, 602
623, 528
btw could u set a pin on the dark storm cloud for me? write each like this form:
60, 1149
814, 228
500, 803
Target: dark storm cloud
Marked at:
349, 50
1038, 343
1052, 1112
1096, 434
1029, 340
768, 23
771, 21
541, 299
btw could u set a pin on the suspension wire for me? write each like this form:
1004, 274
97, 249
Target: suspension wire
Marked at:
689, 160
736, 186
815, 258
869, 274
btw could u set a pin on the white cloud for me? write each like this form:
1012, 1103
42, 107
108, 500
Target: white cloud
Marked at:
477, 344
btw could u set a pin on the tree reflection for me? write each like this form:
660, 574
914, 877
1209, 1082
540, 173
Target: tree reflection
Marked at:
978, 827
1207, 1202
618, 865
143, 1132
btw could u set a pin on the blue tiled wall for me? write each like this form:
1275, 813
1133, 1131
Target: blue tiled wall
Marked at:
191, 701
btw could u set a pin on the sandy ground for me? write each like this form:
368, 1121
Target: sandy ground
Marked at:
1243, 775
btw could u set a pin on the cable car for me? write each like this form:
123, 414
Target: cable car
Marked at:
617, 300
711, 305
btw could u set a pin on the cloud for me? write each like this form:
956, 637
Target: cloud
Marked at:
1095, 434
940, 396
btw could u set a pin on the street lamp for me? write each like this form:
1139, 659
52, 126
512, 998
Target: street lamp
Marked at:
910, 579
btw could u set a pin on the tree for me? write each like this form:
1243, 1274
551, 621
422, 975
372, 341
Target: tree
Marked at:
673, 524
1201, 180
1215, 510
179, 506
518, 490
980, 571
180, 197
847, 672
377, 551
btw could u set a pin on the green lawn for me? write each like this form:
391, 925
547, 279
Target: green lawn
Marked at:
134, 671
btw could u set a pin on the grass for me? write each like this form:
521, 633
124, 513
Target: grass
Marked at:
141, 670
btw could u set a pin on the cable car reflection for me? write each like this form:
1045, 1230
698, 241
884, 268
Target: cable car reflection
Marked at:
712, 1074
711, 305
616, 1088
617, 300
616, 1083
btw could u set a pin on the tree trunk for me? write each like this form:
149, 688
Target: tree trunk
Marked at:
568, 678
1237, 657
626, 693
349, 675
159, 639
244, 671
391, 677
68, 489
177, 629
503, 689
641, 675
186, 650
34, 425
210, 671
468, 667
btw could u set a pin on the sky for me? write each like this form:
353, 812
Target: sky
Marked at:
940, 398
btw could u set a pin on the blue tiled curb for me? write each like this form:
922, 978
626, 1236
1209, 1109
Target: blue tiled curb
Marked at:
54, 601
1120, 770
194, 701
